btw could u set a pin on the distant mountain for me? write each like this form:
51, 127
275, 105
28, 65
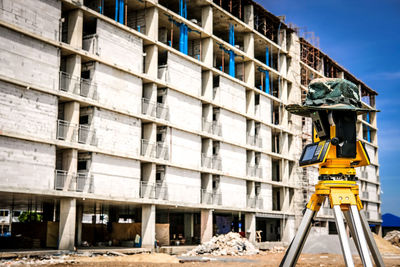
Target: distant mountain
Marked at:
390, 220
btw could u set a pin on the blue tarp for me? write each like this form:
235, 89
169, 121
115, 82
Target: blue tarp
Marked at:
390, 220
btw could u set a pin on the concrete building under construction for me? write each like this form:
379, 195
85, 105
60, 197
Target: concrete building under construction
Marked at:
159, 118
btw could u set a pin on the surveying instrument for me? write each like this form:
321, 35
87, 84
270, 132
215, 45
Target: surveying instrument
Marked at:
333, 105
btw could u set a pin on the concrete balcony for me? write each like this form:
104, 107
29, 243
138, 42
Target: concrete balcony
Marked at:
216, 163
206, 162
216, 128
210, 197
147, 149
254, 202
90, 43
76, 133
65, 130
78, 86
253, 171
206, 126
365, 195
162, 151
82, 182
153, 191
86, 135
153, 109
254, 140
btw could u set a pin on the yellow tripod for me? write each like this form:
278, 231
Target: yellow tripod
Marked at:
337, 182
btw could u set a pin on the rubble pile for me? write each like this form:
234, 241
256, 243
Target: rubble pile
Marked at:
49, 260
230, 244
393, 237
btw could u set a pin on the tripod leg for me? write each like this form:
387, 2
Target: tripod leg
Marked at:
352, 230
355, 217
294, 250
371, 241
344, 242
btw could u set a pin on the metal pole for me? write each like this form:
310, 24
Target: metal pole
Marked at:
294, 250
371, 241
344, 242
366, 259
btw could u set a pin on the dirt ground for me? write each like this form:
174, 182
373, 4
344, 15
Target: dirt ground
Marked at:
262, 259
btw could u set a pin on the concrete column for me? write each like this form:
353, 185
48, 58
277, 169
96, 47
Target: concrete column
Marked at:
151, 60
148, 226
150, 132
207, 51
249, 15
152, 22
248, 44
207, 84
66, 236
79, 216
206, 225
188, 227
250, 224
71, 114
282, 36
207, 19
206, 181
206, 147
250, 104
70, 165
249, 73
282, 65
340, 74
75, 28
74, 68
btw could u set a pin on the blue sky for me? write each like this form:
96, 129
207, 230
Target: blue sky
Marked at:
364, 37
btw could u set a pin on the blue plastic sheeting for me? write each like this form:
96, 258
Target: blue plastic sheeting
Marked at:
119, 11
267, 72
368, 129
390, 220
231, 53
183, 29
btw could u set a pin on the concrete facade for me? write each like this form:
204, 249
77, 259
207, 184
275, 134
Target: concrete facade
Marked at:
112, 121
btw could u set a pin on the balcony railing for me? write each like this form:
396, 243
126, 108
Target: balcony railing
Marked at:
148, 149
153, 190
206, 162
79, 86
254, 140
216, 128
162, 151
82, 182
90, 43
206, 197
207, 126
65, 130
216, 163
254, 171
162, 111
158, 110
216, 198
251, 202
86, 136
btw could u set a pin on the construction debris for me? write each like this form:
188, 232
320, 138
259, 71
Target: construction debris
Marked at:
393, 237
230, 244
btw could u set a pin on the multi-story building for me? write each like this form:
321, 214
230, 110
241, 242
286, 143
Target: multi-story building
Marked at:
167, 115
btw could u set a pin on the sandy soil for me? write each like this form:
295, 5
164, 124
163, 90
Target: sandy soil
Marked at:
263, 259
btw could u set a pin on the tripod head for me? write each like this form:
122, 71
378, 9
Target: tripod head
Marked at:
333, 105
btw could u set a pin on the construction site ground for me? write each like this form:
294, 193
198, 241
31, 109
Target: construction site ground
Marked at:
115, 258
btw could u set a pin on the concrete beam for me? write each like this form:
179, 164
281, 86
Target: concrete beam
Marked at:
148, 226
66, 236
206, 225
